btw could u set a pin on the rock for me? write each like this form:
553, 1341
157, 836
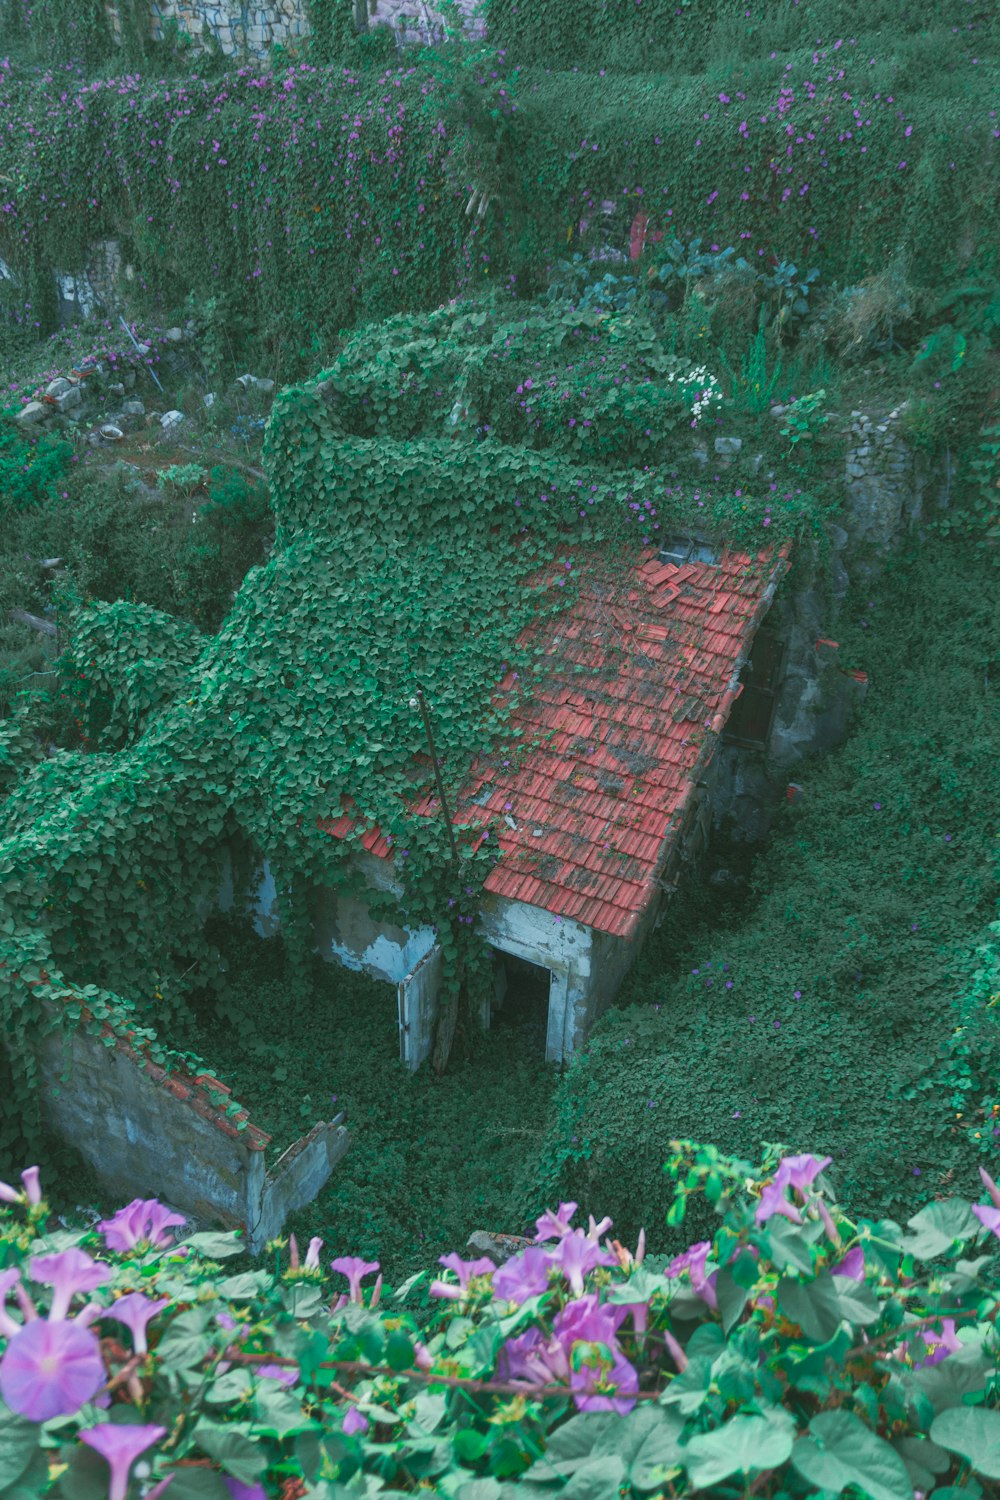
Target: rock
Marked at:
128, 379
171, 418
117, 389
496, 1247
32, 413
59, 386
855, 471
175, 335
134, 409
700, 454
71, 397
254, 383
728, 447
838, 536
777, 411
209, 398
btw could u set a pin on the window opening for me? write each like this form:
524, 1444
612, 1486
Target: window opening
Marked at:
685, 549
753, 712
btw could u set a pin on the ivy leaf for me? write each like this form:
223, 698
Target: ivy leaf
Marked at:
213, 1246
18, 1446
196, 1483
689, 1390
840, 1451
238, 1455
743, 1445
647, 1442
578, 1438
187, 1340
938, 1226
595, 1480
924, 1460
972, 1432
820, 1306
732, 1298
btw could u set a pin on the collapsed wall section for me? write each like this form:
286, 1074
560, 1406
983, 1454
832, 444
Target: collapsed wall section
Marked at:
146, 1132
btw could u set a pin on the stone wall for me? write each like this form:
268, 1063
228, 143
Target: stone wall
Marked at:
147, 1133
888, 488
249, 30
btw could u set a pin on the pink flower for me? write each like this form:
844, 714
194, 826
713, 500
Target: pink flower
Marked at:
50, 1370
576, 1256
354, 1421
355, 1269
990, 1187
524, 1276
553, 1226
694, 1261
32, 1193
940, 1344
136, 1312
69, 1272
464, 1270
852, 1265
142, 1224
988, 1217
120, 1445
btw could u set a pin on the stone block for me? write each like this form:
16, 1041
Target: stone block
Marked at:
32, 413
728, 447
69, 399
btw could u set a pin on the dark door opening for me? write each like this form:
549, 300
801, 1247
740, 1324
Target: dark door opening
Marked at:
523, 996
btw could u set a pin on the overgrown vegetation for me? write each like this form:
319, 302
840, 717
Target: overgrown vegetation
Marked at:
821, 1002
798, 1349
530, 273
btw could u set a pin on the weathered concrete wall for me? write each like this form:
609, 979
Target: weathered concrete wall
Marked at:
147, 1133
346, 929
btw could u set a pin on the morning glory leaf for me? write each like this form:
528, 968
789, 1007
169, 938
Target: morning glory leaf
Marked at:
840, 1450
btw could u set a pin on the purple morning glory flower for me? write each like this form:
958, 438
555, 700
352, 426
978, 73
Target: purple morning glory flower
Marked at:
312, 1254
576, 1256
69, 1272
32, 1193
120, 1445
464, 1270
237, 1489
284, 1374
136, 1312
524, 1276
990, 1187
693, 1261
553, 1226
940, 1344
354, 1421
355, 1269
598, 1386
533, 1358
797, 1172
142, 1224
50, 1370
852, 1265
988, 1217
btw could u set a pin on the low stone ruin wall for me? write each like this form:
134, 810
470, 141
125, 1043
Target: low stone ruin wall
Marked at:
149, 1133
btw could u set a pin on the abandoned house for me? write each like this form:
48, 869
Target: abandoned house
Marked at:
595, 822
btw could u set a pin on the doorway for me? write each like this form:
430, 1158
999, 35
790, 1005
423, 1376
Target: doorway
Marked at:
523, 997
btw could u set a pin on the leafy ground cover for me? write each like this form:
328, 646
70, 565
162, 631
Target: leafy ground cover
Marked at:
431, 1160
819, 1006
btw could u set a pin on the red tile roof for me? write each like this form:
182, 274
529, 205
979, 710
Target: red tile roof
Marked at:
612, 752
